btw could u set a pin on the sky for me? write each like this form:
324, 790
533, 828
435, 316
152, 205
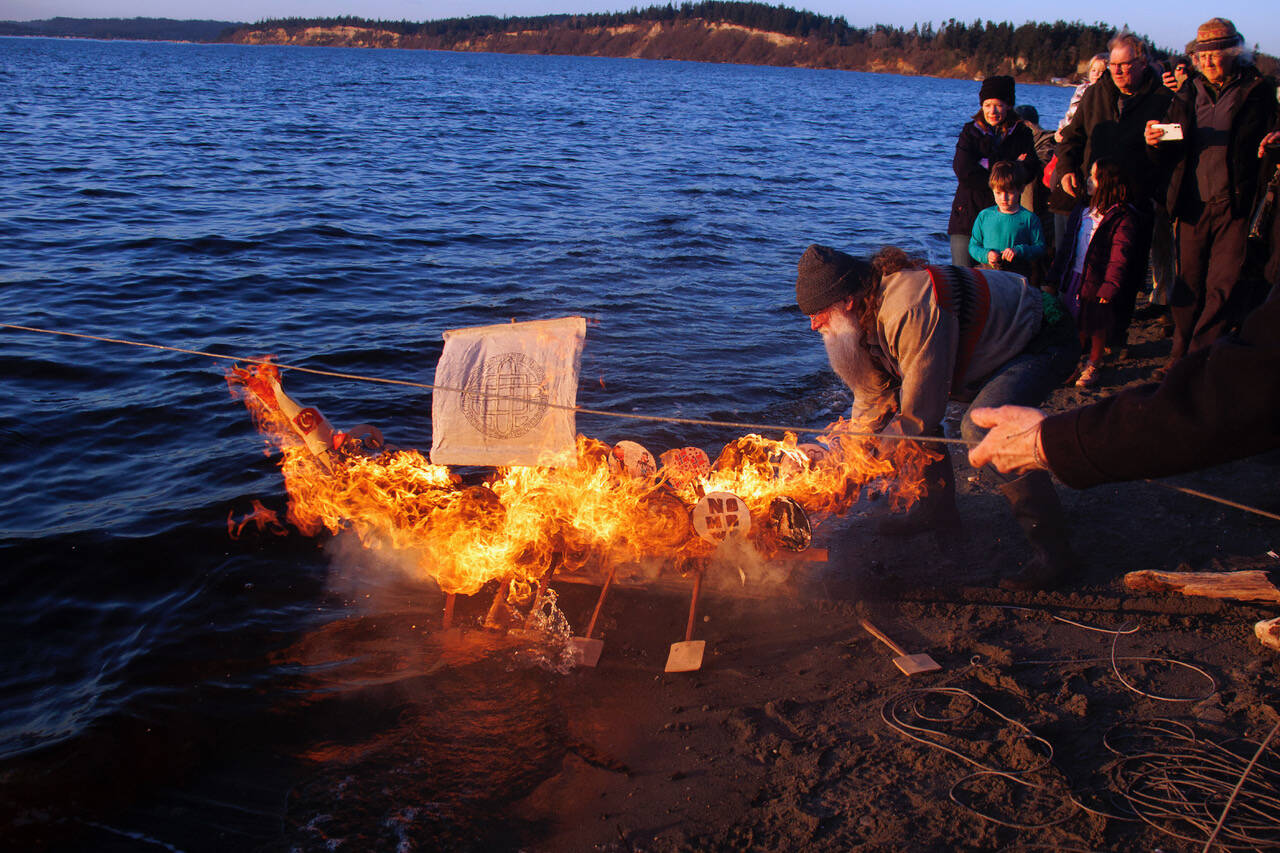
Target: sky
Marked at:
1169, 23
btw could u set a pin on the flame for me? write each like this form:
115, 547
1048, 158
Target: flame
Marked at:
266, 520
525, 522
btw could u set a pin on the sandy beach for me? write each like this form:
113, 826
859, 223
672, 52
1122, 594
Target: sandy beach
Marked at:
800, 733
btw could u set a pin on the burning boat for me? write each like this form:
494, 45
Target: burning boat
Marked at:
612, 512
619, 506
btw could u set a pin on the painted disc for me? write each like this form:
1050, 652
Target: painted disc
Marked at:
721, 514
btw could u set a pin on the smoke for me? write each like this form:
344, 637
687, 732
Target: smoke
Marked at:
378, 578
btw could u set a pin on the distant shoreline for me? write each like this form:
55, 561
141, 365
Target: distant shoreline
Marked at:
1056, 83
740, 33
737, 33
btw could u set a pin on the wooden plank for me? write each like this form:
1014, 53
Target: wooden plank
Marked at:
1244, 586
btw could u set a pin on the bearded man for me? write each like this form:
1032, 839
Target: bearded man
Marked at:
906, 338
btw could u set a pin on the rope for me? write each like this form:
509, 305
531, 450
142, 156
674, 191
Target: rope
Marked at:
1215, 499
935, 439
433, 387
1115, 659
1235, 792
1175, 781
898, 713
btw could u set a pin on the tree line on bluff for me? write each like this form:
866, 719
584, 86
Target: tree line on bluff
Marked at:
1032, 51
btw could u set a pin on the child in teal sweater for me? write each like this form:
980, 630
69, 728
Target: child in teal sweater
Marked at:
1007, 236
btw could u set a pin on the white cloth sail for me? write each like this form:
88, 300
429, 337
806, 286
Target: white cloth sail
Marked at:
515, 386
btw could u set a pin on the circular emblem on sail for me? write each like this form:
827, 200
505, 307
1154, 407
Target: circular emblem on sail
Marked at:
505, 396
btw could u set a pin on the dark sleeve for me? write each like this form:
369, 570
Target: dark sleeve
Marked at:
1216, 405
968, 169
1165, 156
1272, 271
1025, 143
1071, 149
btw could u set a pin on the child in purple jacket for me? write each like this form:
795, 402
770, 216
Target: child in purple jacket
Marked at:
1100, 268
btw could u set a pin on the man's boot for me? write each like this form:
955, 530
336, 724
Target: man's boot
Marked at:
935, 511
1039, 512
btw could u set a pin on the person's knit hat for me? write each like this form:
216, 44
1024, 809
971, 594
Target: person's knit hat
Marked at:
1026, 112
999, 86
1217, 34
825, 276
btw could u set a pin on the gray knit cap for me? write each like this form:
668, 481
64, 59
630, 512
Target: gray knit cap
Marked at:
826, 275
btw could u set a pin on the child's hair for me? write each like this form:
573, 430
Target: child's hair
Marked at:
1112, 185
1005, 177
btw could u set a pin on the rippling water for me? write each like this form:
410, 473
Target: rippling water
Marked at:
339, 209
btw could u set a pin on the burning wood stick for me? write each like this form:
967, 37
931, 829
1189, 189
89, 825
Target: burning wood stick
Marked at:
1245, 586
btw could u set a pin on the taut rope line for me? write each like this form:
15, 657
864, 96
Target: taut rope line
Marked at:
431, 387
579, 409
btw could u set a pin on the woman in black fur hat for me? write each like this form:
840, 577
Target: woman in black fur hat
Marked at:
994, 134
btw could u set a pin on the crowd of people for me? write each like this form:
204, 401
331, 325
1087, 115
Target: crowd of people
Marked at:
1159, 175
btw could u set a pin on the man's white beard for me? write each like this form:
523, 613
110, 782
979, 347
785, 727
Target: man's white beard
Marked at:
843, 340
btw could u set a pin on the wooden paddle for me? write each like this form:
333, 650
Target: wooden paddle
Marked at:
909, 664
587, 650
687, 656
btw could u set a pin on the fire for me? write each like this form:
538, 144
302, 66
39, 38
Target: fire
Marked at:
266, 520
523, 523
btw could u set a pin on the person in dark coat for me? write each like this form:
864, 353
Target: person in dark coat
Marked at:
1112, 119
1269, 152
994, 134
1224, 114
1110, 123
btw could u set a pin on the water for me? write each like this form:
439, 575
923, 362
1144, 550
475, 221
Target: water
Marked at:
339, 209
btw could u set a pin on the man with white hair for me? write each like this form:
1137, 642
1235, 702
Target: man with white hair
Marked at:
906, 338
1111, 118
1223, 116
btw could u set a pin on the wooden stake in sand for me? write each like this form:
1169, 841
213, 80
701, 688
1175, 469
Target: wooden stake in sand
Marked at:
909, 664
1244, 586
687, 656
587, 651
447, 623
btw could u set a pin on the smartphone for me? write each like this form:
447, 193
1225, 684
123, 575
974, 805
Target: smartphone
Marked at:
1172, 132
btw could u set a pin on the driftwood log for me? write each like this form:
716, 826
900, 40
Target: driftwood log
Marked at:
1245, 586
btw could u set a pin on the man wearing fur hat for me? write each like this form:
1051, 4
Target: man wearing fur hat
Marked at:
995, 133
1224, 114
906, 338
